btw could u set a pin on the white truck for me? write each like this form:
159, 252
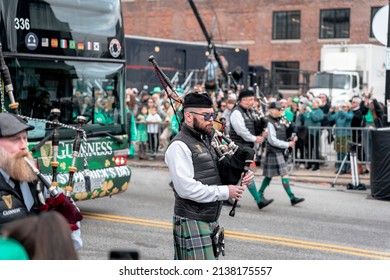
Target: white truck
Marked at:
349, 70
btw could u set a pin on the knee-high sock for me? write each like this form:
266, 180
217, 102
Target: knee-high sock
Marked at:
253, 190
286, 186
264, 185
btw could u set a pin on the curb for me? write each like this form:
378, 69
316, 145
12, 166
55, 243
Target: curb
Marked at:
298, 175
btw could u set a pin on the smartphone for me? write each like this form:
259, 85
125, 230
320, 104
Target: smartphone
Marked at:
123, 255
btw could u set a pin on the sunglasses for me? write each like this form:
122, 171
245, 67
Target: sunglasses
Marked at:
206, 117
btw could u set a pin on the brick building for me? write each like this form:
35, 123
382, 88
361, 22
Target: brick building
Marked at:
278, 33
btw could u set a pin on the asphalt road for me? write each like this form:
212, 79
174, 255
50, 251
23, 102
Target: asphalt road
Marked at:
332, 224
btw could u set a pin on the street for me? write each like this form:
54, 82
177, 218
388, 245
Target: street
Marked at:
332, 224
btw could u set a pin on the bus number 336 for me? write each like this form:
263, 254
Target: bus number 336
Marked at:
22, 23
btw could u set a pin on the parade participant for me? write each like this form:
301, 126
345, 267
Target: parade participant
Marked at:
275, 163
199, 193
246, 130
18, 192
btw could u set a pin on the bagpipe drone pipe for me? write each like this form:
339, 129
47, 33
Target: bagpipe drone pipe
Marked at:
233, 161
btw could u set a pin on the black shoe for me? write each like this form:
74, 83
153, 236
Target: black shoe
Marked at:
308, 167
230, 202
264, 202
315, 168
296, 200
360, 187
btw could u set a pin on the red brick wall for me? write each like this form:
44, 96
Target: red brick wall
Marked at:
248, 25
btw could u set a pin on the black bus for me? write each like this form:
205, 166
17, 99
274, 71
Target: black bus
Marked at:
182, 61
69, 55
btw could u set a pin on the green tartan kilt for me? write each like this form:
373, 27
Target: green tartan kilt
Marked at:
192, 239
275, 165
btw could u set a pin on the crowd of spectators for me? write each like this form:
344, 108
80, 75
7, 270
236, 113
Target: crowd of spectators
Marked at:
317, 122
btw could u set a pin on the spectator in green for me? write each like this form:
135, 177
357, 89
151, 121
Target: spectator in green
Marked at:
132, 129
142, 134
312, 117
99, 116
342, 118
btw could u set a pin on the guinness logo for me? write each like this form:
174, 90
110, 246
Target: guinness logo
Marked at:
7, 200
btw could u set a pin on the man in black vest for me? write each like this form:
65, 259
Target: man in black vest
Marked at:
199, 193
277, 143
246, 129
18, 193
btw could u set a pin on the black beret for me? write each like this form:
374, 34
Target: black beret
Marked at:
275, 105
246, 93
197, 100
11, 124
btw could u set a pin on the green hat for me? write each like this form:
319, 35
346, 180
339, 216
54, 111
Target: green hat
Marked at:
11, 249
156, 90
109, 87
296, 99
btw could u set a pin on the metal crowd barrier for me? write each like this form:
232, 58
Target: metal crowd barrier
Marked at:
329, 145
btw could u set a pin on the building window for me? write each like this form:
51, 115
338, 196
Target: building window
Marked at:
334, 23
285, 74
286, 25
374, 10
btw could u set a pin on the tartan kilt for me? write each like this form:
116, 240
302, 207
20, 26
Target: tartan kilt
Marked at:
274, 165
192, 239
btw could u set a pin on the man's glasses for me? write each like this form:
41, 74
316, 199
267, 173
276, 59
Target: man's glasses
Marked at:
206, 117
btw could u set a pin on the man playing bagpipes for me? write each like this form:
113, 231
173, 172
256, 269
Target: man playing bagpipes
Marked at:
199, 192
277, 142
19, 194
246, 129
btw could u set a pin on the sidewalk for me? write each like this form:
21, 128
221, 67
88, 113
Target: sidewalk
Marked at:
326, 174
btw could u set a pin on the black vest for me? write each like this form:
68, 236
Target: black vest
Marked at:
12, 206
280, 129
206, 171
249, 120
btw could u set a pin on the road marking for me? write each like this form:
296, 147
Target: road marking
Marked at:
253, 237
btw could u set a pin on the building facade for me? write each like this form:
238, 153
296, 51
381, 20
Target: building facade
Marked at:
278, 34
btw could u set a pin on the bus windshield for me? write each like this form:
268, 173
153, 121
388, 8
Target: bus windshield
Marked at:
91, 18
74, 87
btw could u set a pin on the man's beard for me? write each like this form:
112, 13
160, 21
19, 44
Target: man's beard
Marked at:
206, 130
16, 166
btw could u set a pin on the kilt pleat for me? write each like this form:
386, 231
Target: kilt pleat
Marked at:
192, 239
274, 165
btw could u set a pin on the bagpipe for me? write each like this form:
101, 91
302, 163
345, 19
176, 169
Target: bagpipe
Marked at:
57, 200
233, 161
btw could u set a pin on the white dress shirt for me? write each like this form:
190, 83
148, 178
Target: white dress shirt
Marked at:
179, 161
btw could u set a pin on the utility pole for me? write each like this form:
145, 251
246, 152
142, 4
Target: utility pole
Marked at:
209, 40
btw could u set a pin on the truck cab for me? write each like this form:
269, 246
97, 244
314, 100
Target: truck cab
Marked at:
339, 86
345, 70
